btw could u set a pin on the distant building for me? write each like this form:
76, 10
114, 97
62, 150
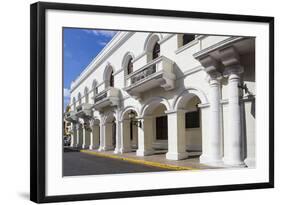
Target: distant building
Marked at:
179, 92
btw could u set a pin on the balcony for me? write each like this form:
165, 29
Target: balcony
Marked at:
84, 110
108, 97
71, 116
159, 72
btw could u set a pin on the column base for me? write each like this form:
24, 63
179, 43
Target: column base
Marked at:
84, 146
142, 153
211, 161
176, 155
107, 148
116, 150
100, 149
250, 162
79, 146
125, 150
233, 163
93, 147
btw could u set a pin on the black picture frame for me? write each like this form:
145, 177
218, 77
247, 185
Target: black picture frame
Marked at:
38, 101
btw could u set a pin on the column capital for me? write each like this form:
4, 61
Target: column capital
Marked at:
81, 120
230, 59
77, 125
211, 65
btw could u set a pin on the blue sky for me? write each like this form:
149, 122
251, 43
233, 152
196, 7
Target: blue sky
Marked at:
80, 47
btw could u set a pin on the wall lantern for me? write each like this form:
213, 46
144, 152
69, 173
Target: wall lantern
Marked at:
132, 117
244, 87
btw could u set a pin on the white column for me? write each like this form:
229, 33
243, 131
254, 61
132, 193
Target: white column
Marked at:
233, 153
94, 136
145, 134
118, 133
134, 141
102, 136
213, 153
73, 135
108, 136
176, 135
205, 128
78, 135
125, 139
84, 133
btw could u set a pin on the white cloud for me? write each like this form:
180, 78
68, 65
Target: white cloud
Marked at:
66, 97
66, 93
108, 34
102, 43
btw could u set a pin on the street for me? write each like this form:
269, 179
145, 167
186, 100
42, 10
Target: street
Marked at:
76, 163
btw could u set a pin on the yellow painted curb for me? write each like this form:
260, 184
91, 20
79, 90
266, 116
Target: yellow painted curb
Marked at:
138, 161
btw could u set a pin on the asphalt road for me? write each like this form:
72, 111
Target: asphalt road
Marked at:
76, 163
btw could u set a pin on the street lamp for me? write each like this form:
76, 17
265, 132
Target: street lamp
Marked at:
132, 117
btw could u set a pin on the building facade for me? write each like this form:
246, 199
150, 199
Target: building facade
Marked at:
175, 92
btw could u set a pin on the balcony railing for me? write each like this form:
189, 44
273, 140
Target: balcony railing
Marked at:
143, 74
71, 116
158, 72
84, 110
108, 97
100, 96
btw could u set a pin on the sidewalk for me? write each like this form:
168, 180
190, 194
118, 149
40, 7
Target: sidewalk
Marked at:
156, 160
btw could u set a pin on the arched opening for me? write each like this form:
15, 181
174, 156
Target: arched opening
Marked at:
111, 79
74, 103
156, 51
108, 76
110, 132
95, 134
86, 94
129, 127
130, 66
127, 65
152, 46
190, 131
153, 137
95, 88
79, 98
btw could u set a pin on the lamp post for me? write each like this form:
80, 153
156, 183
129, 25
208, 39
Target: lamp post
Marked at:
132, 117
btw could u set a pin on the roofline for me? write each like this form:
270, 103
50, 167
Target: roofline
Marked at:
113, 44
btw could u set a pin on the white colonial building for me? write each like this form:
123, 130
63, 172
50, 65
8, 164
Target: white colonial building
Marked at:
175, 92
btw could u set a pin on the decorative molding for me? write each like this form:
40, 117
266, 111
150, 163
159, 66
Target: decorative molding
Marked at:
219, 45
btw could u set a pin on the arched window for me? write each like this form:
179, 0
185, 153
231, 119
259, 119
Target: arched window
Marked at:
74, 102
111, 79
156, 51
86, 94
130, 66
79, 98
108, 76
95, 87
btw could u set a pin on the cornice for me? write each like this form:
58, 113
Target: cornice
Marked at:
222, 44
115, 43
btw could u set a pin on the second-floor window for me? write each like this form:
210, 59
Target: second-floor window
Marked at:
111, 80
156, 51
187, 38
130, 66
